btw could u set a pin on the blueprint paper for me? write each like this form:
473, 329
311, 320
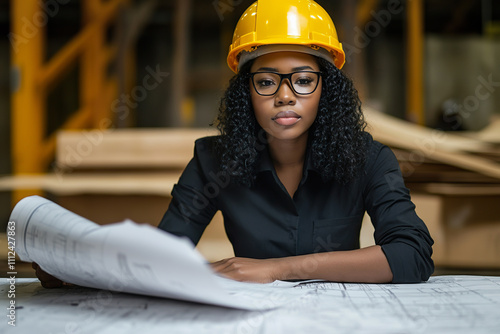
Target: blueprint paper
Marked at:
123, 257
444, 304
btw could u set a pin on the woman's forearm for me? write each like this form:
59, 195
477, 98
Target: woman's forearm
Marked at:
367, 265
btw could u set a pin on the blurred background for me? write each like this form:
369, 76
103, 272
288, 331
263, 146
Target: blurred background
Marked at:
101, 100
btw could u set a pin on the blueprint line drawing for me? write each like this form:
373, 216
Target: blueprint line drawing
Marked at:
444, 304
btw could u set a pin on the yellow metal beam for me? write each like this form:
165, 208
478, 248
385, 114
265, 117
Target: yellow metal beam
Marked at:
110, 53
61, 62
93, 69
68, 55
31, 152
28, 102
364, 11
415, 60
65, 58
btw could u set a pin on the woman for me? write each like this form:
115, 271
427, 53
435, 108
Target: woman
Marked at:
293, 170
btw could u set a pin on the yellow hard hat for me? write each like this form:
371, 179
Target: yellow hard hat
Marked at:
301, 23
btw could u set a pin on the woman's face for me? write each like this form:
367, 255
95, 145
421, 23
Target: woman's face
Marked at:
285, 115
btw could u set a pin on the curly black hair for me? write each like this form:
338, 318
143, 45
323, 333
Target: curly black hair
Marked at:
336, 138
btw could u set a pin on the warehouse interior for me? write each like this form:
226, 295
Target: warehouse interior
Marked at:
92, 90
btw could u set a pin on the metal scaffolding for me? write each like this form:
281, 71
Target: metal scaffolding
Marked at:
32, 152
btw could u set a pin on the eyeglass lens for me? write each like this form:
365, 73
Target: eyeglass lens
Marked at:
268, 83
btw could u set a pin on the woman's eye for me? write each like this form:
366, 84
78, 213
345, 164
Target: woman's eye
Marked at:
304, 81
265, 82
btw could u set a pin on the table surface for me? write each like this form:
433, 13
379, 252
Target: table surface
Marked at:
444, 304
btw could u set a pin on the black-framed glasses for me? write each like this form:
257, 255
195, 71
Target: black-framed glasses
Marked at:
302, 83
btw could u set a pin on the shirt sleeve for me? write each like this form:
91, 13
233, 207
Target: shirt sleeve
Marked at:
191, 208
403, 236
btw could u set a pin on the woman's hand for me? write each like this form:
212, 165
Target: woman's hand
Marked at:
48, 281
248, 270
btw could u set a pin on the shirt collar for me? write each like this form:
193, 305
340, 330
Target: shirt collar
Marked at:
265, 163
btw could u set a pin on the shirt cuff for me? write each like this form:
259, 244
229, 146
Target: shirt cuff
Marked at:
406, 264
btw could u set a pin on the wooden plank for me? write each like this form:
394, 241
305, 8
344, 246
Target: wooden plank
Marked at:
418, 168
127, 148
490, 156
490, 134
477, 164
412, 175
151, 183
455, 189
425, 138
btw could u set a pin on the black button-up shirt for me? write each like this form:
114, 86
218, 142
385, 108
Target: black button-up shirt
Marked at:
263, 221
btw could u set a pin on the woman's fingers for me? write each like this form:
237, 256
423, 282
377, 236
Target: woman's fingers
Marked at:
247, 270
47, 280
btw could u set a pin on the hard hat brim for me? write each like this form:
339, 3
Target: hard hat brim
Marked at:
246, 56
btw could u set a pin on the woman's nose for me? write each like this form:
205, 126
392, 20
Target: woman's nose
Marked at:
285, 94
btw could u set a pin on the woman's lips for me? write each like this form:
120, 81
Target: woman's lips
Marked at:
286, 118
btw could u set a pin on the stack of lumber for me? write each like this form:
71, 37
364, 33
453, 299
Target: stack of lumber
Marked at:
429, 155
111, 175
454, 181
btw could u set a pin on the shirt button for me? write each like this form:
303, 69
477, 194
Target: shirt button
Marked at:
290, 235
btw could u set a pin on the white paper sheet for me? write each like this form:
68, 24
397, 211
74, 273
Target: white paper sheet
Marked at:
444, 304
124, 257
